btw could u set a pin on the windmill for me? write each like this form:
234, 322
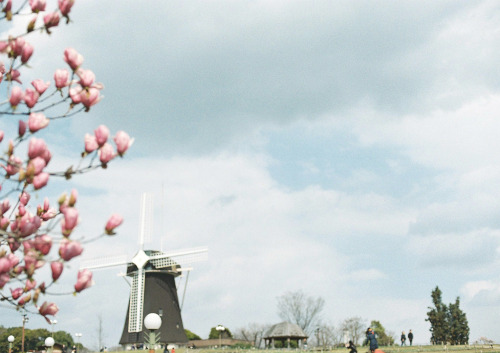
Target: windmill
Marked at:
153, 288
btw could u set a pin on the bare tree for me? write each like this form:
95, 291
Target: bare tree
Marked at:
300, 309
253, 333
327, 336
356, 327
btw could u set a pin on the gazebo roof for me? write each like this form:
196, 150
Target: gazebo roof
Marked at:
285, 330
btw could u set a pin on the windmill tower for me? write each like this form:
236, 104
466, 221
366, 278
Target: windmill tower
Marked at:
153, 288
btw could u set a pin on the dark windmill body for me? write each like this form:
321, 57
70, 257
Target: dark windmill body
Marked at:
153, 288
160, 296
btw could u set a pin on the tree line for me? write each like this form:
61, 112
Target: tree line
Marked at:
34, 339
448, 323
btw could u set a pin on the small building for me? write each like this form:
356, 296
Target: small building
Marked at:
285, 332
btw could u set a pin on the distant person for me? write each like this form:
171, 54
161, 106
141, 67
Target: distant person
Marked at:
410, 337
352, 347
165, 350
173, 350
403, 339
370, 336
64, 349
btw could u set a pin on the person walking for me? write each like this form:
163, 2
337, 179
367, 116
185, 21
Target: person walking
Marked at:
370, 336
410, 337
403, 339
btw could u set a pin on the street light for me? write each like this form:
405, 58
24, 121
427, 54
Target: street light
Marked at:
77, 335
10, 339
220, 328
49, 342
152, 322
52, 323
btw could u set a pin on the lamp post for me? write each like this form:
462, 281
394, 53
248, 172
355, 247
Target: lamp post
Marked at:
152, 322
53, 323
25, 320
78, 335
49, 342
220, 328
10, 339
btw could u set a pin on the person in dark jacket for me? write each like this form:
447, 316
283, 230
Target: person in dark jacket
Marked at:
352, 347
370, 336
403, 339
410, 337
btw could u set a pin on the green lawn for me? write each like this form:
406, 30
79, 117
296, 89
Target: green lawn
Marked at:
395, 349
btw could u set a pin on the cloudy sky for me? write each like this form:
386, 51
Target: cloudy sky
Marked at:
348, 149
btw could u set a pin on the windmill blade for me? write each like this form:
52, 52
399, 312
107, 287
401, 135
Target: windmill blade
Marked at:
184, 257
146, 219
136, 302
103, 262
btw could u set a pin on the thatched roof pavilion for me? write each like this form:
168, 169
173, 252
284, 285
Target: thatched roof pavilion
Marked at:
285, 331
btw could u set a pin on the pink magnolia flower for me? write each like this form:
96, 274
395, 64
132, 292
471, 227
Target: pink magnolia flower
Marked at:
69, 249
5, 265
73, 196
61, 77
16, 293
24, 300
43, 243
69, 221
16, 96
24, 198
14, 260
37, 5
90, 143
48, 309
51, 20
36, 148
4, 46
13, 75
26, 225
40, 85
75, 94
87, 78
90, 97
2, 134
30, 284
13, 165
37, 121
106, 153
4, 206
65, 6
40, 180
114, 221
101, 134
17, 46
84, 280
22, 128
31, 97
26, 53
35, 166
4, 279
56, 268
73, 58
123, 142
49, 214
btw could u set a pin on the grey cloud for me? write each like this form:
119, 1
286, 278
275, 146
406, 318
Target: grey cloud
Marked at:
198, 75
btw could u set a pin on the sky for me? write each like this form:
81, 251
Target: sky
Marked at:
346, 149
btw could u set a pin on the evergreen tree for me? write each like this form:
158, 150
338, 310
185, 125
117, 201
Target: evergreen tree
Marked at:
459, 326
382, 337
448, 322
